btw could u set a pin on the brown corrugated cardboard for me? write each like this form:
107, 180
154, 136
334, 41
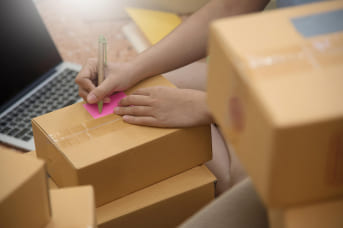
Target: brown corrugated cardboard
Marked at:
277, 96
165, 204
72, 207
24, 198
51, 183
114, 157
319, 215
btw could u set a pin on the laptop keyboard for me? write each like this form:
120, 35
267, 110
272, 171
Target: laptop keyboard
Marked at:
58, 93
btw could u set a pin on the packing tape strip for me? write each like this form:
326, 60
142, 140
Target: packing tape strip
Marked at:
313, 54
96, 127
85, 131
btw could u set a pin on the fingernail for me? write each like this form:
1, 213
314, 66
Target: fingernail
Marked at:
91, 98
116, 109
107, 100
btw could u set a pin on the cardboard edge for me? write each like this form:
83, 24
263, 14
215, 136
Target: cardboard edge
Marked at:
252, 95
35, 124
90, 190
211, 180
34, 173
151, 206
83, 171
37, 174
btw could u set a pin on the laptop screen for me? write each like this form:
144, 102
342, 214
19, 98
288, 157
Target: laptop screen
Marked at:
26, 47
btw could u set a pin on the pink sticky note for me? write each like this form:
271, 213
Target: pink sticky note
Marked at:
107, 107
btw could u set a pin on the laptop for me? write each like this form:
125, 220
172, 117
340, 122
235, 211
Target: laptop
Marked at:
34, 78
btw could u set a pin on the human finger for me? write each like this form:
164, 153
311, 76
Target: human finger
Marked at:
142, 91
141, 120
107, 100
89, 70
83, 93
100, 92
133, 110
85, 84
137, 100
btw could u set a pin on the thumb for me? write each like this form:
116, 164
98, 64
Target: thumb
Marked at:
100, 92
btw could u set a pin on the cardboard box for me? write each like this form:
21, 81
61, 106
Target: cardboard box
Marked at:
114, 157
51, 183
24, 197
319, 215
72, 207
165, 204
275, 88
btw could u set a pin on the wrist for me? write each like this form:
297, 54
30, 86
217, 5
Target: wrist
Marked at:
204, 114
137, 69
208, 118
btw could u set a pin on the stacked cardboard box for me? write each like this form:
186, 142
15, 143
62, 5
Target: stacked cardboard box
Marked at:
141, 175
114, 157
275, 88
25, 200
165, 204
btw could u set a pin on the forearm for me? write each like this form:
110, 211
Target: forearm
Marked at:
188, 42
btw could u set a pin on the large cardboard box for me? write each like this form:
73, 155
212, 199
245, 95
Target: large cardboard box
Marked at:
72, 207
275, 88
24, 197
114, 157
317, 215
165, 204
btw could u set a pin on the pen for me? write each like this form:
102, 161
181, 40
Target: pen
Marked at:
102, 61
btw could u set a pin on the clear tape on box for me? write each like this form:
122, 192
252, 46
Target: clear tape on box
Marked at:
84, 131
312, 54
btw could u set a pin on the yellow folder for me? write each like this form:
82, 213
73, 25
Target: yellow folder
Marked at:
154, 24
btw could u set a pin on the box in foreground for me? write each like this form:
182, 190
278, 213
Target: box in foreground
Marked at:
276, 92
72, 207
24, 197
